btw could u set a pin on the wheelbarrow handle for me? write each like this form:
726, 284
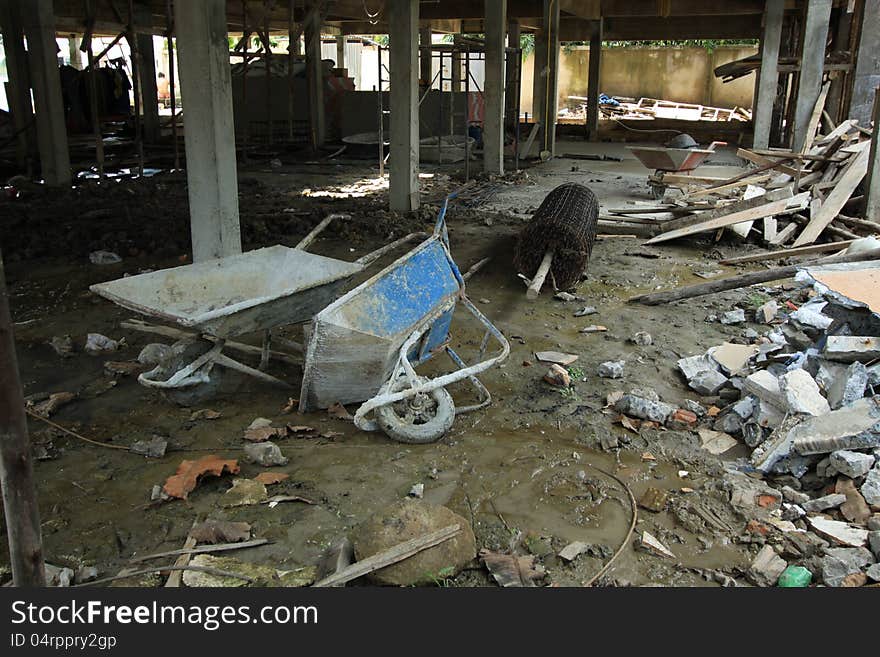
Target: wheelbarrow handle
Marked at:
716, 143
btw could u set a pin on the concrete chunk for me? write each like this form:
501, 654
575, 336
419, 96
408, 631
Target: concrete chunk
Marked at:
856, 426
612, 369
870, 490
849, 387
802, 394
767, 312
644, 409
708, 382
824, 503
765, 386
693, 365
839, 532
838, 563
851, 464
849, 348
737, 316
766, 567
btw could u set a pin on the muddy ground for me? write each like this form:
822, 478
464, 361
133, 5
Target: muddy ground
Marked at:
525, 472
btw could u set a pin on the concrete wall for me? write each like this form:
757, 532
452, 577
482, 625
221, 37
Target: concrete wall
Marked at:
679, 74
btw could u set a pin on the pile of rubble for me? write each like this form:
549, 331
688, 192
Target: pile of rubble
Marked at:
802, 397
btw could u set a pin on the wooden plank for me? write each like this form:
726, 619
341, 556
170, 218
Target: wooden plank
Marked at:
839, 131
784, 235
775, 207
858, 147
390, 556
762, 160
754, 180
770, 225
724, 210
847, 184
813, 124
786, 253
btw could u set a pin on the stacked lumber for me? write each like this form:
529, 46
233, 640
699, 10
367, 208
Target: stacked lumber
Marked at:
797, 198
653, 108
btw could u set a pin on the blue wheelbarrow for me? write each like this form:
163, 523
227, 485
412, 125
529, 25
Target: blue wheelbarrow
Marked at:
365, 346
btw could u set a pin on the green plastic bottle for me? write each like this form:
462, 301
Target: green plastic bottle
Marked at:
795, 577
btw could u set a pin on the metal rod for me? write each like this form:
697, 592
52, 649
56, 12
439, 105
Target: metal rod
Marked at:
169, 20
136, 86
16, 467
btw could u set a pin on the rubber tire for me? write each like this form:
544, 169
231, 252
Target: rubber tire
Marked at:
184, 352
417, 434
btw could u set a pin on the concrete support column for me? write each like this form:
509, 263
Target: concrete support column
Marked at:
551, 72
457, 64
149, 92
75, 54
867, 73
18, 87
593, 81
315, 76
768, 76
513, 34
403, 25
340, 51
39, 27
206, 88
493, 88
539, 75
425, 68
818, 15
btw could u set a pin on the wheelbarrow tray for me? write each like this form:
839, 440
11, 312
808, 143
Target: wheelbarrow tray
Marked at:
354, 343
670, 159
235, 295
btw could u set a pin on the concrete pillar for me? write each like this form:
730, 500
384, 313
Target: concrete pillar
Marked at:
403, 25
867, 73
551, 85
340, 51
75, 54
425, 67
593, 81
539, 75
39, 28
149, 92
818, 14
513, 34
457, 64
493, 88
872, 183
206, 89
315, 76
18, 87
768, 76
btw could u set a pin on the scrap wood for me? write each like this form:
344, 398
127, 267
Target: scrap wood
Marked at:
203, 549
183, 560
744, 280
706, 191
773, 208
721, 210
846, 185
390, 556
754, 158
177, 571
786, 253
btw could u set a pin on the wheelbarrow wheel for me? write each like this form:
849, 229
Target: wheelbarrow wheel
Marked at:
423, 418
184, 352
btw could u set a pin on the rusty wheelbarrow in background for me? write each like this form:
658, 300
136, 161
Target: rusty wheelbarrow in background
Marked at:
670, 161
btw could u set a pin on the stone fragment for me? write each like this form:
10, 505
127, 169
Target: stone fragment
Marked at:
802, 394
642, 338
405, 520
855, 509
266, 454
558, 376
767, 415
767, 312
716, 442
573, 550
874, 543
153, 448
873, 572
737, 316
839, 532
794, 496
870, 490
856, 426
765, 386
708, 382
245, 492
766, 568
644, 409
694, 407
733, 357
838, 563
849, 348
824, 503
693, 365
729, 423
851, 464
612, 369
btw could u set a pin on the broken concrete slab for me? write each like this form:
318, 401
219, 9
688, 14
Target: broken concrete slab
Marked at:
736, 316
802, 394
873, 572
849, 348
839, 563
644, 409
767, 415
848, 387
708, 382
573, 550
751, 497
731, 357
766, 568
874, 543
839, 532
767, 456
765, 386
716, 442
766, 313
856, 426
824, 503
851, 464
794, 496
693, 365
556, 357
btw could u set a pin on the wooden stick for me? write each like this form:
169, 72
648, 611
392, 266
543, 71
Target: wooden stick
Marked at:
535, 286
390, 556
203, 549
182, 562
786, 253
744, 280
178, 571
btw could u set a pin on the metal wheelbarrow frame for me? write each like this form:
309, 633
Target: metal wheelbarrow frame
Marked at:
366, 345
172, 295
670, 161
